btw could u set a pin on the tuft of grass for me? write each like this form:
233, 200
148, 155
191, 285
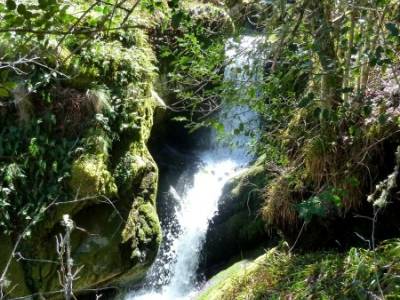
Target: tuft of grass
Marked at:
280, 205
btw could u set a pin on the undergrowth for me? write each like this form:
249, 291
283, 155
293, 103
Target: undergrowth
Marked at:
357, 274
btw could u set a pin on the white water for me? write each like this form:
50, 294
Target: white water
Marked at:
173, 275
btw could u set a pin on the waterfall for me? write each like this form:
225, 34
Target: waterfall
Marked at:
173, 274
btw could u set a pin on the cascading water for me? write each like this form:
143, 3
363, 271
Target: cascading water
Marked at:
173, 275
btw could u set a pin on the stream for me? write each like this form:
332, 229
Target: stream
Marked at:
173, 275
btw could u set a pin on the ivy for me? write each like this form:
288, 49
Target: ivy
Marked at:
34, 169
319, 205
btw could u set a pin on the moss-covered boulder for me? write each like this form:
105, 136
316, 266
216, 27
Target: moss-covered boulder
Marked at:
117, 231
238, 226
110, 186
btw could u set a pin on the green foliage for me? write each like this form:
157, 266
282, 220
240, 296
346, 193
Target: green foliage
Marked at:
320, 204
111, 63
39, 39
192, 53
75, 74
34, 168
327, 103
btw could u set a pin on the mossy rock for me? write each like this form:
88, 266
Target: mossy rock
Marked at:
90, 177
113, 63
119, 240
136, 174
14, 284
143, 230
214, 287
121, 231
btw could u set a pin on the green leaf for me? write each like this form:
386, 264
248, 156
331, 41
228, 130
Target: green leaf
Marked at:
11, 5
336, 200
3, 92
173, 3
306, 100
272, 38
382, 119
22, 9
317, 112
43, 4
177, 19
392, 27
310, 208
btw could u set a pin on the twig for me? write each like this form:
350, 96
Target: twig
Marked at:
298, 237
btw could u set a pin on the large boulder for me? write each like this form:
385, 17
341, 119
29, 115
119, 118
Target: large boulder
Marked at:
117, 231
109, 189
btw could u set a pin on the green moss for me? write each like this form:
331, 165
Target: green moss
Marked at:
129, 170
96, 142
113, 75
150, 226
143, 230
359, 274
215, 285
90, 177
113, 63
140, 113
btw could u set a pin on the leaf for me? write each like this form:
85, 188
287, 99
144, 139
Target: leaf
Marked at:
177, 19
311, 207
173, 3
317, 112
272, 38
43, 4
392, 27
11, 5
336, 200
22, 9
3, 92
219, 127
306, 100
325, 114
382, 119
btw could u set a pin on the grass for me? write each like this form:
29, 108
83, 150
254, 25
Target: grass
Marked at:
357, 274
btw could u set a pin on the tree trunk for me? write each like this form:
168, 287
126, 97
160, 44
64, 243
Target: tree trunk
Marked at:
325, 48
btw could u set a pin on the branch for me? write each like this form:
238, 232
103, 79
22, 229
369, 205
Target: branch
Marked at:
62, 32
